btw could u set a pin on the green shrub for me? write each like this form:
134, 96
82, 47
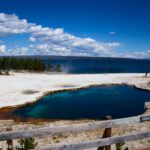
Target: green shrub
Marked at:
119, 146
27, 144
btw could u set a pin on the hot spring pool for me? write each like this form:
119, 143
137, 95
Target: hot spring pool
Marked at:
91, 103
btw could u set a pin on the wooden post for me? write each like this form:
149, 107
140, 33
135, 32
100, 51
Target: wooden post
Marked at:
106, 134
9, 142
146, 74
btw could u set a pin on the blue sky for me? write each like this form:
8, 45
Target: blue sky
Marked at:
115, 28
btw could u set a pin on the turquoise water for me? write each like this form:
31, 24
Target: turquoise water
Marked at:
92, 103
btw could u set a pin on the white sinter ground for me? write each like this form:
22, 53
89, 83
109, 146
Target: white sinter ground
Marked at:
21, 88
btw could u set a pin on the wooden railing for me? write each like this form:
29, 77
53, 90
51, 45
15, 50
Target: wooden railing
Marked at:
105, 142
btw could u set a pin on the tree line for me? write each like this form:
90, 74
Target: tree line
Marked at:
27, 64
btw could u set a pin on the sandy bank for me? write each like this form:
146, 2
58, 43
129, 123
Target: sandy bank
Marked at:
21, 88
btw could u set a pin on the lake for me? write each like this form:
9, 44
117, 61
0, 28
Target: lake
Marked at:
79, 65
90, 103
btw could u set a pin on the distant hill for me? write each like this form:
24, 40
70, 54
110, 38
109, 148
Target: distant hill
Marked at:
75, 57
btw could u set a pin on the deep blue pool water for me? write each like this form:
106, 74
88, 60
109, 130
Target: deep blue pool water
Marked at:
92, 103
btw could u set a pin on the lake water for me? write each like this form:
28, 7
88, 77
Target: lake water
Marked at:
99, 65
92, 103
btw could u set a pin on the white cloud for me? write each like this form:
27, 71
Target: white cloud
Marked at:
11, 24
134, 54
113, 44
46, 49
32, 39
3, 49
75, 45
49, 41
17, 51
112, 33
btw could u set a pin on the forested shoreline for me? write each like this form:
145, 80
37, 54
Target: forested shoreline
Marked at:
27, 64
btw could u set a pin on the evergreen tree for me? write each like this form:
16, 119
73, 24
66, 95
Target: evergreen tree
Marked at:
29, 64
